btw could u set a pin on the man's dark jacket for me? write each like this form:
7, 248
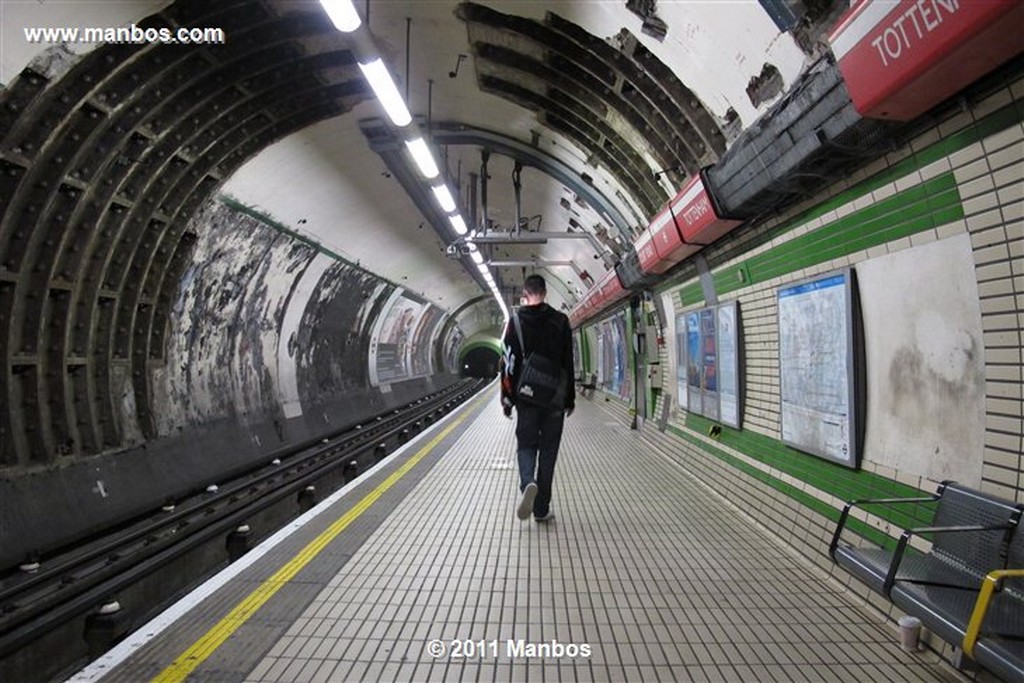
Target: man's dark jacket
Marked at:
545, 331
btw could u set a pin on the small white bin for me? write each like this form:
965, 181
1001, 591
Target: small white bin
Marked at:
910, 633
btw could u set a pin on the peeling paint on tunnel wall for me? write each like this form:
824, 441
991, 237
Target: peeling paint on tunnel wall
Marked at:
451, 349
334, 330
287, 346
267, 327
223, 348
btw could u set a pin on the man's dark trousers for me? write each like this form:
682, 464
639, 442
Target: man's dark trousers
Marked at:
538, 433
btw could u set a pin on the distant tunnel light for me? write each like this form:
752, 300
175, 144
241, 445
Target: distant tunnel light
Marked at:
343, 14
447, 203
423, 158
458, 224
384, 87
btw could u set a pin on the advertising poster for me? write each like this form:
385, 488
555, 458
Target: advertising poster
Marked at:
681, 397
693, 363
728, 365
709, 364
395, 339
623, 383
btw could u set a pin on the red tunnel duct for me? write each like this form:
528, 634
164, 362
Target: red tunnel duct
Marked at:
901, 59
666, 242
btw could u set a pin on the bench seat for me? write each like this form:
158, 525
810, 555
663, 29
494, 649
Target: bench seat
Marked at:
968, 588
871, 566
1003, 657
947, 611
995, 635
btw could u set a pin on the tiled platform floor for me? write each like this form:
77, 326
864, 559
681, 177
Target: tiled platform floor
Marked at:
658, 577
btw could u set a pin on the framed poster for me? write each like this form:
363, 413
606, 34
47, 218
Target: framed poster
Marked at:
728, 364
709, 363
681, 396
708, 360
816, 367
693, 363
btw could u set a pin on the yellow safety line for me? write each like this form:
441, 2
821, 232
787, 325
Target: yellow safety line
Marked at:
191, 658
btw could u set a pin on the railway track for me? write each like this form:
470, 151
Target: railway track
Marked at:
74, 604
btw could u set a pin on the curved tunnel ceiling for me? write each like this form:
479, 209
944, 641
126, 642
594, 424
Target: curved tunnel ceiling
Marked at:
277, 117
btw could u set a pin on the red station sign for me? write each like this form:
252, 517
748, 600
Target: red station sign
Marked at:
900, 59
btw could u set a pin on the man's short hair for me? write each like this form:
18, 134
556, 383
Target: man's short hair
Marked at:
534, 285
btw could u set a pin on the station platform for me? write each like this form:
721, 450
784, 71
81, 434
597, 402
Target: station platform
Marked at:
420, 571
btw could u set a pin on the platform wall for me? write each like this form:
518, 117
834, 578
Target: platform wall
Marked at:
935, 235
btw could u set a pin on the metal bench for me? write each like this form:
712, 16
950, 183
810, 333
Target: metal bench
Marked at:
588, 386
995, 632
971, 535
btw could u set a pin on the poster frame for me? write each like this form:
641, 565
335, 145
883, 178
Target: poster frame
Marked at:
853, 364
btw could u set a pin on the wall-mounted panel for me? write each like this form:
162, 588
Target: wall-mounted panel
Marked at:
817, 360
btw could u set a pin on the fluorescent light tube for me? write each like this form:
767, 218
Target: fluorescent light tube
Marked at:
477, 257
423, 158
482, 267
458, 224
446, 202
343, 14
380, 80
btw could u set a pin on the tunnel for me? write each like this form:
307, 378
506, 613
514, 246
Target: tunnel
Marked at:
787, 235
481, 362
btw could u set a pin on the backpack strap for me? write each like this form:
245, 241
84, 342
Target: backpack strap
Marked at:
519, 333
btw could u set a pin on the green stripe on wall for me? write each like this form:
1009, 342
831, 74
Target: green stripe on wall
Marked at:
926, 206
690, 295
904, 516
923, 207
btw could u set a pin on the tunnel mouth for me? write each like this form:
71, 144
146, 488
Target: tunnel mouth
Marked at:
481, 362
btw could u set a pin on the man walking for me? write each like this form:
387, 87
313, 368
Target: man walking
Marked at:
546, 332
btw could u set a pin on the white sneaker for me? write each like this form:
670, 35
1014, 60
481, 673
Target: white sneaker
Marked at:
546, 518
526, 502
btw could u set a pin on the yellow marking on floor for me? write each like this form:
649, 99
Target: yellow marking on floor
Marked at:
191, 658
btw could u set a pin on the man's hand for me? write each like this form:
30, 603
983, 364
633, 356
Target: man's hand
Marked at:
568, 411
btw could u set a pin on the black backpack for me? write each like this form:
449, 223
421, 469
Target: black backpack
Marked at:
541, 380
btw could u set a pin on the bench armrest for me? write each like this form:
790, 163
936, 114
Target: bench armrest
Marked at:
993, 582
869, 501
901, 547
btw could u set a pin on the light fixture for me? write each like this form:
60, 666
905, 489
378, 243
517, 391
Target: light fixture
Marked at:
445, 200
458, 224
384, 87
343, 14
423, 158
